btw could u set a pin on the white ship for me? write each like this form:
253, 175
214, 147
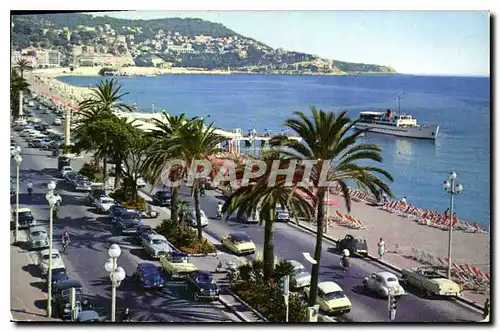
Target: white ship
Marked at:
404, 125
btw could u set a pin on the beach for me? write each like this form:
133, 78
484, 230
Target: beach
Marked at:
401, 234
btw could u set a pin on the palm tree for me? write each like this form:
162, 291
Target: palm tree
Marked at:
327, 140
106, 97
23, 65
259, 197
191, 143
160, 154
17, 84
183, 209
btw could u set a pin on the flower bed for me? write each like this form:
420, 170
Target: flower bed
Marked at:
266, 298
185, 238
92, 172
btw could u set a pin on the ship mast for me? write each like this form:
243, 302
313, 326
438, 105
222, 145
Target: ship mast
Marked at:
398, 98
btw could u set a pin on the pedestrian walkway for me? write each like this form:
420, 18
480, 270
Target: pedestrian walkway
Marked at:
26, 300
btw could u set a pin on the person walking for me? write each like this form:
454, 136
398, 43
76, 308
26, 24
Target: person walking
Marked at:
381, 248
403, 200
447, 213
486, 308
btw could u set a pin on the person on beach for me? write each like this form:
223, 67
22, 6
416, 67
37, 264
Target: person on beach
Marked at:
403, 200
447, 212
381, 248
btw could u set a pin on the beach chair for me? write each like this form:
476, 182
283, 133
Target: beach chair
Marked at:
414, 254
360, 224
441, 263
468, 228
429, 259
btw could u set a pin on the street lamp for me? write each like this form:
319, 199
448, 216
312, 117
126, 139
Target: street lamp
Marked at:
453, 189
312, 310
116, 275
52, 203
18, 159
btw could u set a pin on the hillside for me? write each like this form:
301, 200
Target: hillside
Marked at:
174, 42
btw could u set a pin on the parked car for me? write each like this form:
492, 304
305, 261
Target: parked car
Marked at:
300, 276
142, 232
104, 203
192, 218
239, 243
95, 195
88, 316
430, 281
58, 274
26, 218
115, 211
162, 198
82, 183
61, 298
70, 177
127, 226
57, 122
356, 245
155, 245
331, 298
43, 261
177, 265
282, 214
38, 237
66, 169
148, 275
203, 286
383, 284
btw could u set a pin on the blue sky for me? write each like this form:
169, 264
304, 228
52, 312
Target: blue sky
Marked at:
413, 42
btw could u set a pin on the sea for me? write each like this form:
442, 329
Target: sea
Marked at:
460, 105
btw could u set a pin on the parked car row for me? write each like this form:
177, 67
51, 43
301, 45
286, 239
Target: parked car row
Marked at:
75, 179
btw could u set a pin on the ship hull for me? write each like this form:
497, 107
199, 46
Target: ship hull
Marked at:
423, 132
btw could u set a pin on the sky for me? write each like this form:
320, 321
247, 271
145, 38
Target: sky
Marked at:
412, 42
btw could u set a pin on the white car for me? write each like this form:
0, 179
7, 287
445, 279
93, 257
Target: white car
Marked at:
104, 203
27, 132
66, 170
140, 183
43, 261
31, 104
300, 276
57, 122
382, 283
194, 223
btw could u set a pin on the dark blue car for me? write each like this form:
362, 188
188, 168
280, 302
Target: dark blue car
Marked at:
116, 211
142, 232
149, 275
58, 275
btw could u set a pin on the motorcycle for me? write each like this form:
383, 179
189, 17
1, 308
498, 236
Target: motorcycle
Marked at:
65, 247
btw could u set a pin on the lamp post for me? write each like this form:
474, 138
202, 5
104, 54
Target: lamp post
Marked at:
52, 203
313, 310
116, 275
18, 159
453, 189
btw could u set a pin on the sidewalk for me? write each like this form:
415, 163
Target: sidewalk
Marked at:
23, 295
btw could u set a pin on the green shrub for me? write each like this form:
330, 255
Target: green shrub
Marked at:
92, 172
184, 238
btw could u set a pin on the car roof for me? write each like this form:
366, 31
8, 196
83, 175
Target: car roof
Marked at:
153, 236
385, 274
87, 315
162, 192
239, 235
328, 287
23, 209
296, 263
68, 283
46, 252
37, 229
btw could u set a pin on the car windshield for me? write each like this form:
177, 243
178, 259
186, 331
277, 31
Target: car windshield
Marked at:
65, 293
98, 192
150, 273
163, 194
25, 214
158, 241
130, 215
38, 233
54, 256
206, 278
180, 259
334, 295
240, 237
58, 272
360, 239
107, 201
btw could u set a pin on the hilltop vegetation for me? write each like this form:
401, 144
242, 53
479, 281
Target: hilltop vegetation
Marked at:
172, 42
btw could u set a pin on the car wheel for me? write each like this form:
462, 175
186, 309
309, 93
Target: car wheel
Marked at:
196, 296
428, 294
365, 285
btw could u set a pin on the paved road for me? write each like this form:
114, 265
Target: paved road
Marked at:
290, 243
91, 235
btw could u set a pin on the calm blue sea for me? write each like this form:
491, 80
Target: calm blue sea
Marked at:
461, 105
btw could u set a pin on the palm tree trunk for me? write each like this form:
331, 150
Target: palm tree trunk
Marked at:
118, 173
269, 245
197, 211
319, 247
174, 211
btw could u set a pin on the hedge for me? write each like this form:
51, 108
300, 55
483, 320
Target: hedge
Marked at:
184, 238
